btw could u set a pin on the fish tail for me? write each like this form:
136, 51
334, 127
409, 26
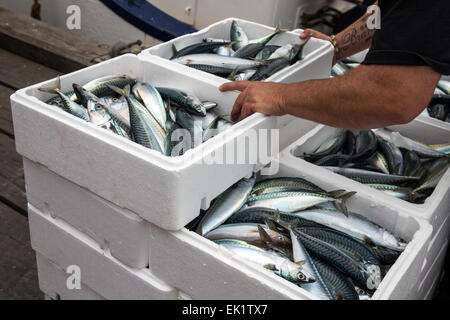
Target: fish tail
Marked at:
342, 204
123, 92
56, 87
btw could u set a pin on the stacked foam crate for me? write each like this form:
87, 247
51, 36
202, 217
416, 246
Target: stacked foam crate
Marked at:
96, 199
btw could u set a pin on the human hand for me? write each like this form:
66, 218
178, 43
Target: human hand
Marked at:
310, 33
263, 97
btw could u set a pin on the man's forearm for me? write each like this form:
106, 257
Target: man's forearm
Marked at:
366, 97
355, 38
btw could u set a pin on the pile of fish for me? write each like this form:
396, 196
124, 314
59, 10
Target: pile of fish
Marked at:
304, 234
164, 119
439, 106
239, 58
386, 161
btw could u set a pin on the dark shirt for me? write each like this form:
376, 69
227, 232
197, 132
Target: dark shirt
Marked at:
414, 33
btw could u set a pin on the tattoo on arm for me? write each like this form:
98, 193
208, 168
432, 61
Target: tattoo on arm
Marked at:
355, 38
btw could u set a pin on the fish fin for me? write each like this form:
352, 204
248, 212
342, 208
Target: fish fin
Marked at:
270, 224
300, 263
264, 235
344, 198
123, 92
270, 267
337, 193
54, 89
233, 73
174, 49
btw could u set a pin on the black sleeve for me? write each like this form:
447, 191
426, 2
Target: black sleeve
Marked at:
413, 32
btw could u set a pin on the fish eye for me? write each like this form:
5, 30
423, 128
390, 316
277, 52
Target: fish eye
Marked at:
280, 238
115, 100
301, 277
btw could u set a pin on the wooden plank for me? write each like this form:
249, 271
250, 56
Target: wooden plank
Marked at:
50, 46
6, 125
18, 274
18, 72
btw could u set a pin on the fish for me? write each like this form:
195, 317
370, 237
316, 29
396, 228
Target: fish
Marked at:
353, 248
293, 201
281, 266
243, 76
249, 51
320, 287
260, 215
216, 70
348, 148
364, 274
98, 116
266, 39
354, 225
398, 192
282, 52
331, 146
284, 184
152, 101
393, 156
340, 285
248, 232
271, 68
332, 160
225, 50
68, 104
211, 130
266, 52
444, 86
225, 205
203, 47
186, 121
365, 146
400, 141
214, 60
412, 164
378, 161
191, 103
366, 176
435, 173
145, 130
438, 111
238, 36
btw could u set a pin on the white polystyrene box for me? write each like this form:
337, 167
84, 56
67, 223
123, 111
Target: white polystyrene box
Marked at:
436, 207
119, 231
205, 270
65, 246
317, 54
53, 283
167, 191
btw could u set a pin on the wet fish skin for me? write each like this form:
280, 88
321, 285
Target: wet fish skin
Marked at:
412, 163
266, 39
331, 146
265, 53
270, 260
186, 121
444, 148
352, 247
354, 225
249, 233
218, 71
332, 160
365, 176
249, 51
152, 101
398, 192
365, 275
289, 183
191, 103
67, 104
259, 215
215, 60
288, 201
378, 161
348, 147
203, 47
366, 146
393, 156
319, 288
342, 288
435, 173
225, 205
266, 71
